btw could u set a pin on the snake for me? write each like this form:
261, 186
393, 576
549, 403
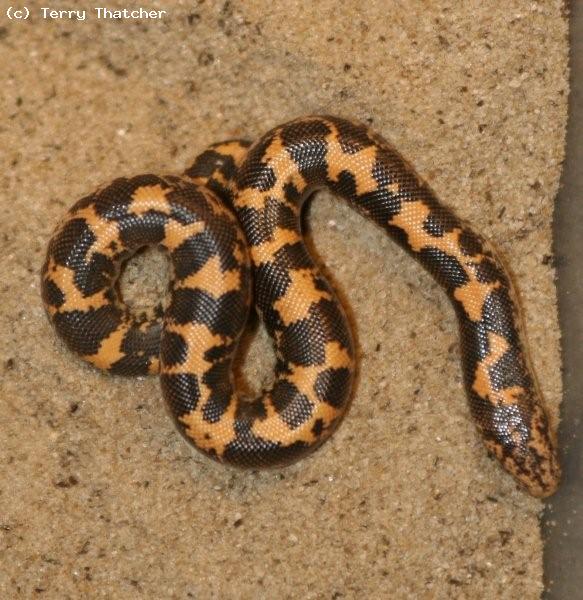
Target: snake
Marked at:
231, 225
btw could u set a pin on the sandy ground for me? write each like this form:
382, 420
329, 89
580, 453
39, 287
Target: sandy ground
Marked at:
99, 495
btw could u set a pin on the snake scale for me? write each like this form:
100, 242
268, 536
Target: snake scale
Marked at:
231, 223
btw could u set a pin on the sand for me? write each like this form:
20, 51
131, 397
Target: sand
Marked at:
99, 495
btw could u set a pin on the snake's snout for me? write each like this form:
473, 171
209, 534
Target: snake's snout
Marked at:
540, 473
540, 469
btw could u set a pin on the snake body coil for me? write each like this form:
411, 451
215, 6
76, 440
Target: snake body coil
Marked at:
265, 186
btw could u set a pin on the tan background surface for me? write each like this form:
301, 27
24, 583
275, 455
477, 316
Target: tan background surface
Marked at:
99, 496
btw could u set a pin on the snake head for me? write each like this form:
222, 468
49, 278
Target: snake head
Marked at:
528, 453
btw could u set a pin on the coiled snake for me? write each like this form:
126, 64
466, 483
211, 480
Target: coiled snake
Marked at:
237, 211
